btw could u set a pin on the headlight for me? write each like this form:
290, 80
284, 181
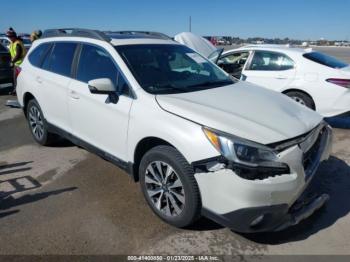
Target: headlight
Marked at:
249, 159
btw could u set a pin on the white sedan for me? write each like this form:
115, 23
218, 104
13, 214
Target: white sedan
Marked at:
311, 78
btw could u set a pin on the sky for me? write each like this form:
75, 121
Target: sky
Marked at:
297, 19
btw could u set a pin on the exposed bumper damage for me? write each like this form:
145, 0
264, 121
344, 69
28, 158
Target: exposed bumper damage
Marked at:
272, 204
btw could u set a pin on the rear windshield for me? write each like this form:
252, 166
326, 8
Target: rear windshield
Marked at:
325, 60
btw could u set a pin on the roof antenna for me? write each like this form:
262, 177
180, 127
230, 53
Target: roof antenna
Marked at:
190, 24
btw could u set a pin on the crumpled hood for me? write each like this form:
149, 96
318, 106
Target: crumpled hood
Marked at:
244, 110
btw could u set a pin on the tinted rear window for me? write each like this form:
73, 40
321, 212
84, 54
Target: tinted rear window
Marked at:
325, 60
61, 59
36, 57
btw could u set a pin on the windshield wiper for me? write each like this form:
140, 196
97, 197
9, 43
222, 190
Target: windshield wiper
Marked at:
169, 87
212, 83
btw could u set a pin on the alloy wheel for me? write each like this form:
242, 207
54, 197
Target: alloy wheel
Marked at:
36, 122
165, 188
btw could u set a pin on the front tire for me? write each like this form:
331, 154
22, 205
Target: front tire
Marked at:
38, 125
169, 187
302, 99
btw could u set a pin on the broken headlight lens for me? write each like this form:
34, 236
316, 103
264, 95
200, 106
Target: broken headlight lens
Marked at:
249, 158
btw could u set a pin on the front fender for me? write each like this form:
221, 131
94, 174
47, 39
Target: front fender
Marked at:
152, 121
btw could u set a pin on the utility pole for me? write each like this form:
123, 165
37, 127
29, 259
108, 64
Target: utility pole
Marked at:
190, 24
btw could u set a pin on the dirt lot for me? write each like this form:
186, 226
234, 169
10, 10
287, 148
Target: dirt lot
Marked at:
64, 200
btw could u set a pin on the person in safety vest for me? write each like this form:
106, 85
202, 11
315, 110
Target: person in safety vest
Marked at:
17, 52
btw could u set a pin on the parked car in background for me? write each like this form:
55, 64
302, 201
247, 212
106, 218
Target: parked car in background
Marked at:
26, 41
5, 41
198, 141
311, 78
6, 71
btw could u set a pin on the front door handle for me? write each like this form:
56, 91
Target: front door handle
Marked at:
74, 94
281, 77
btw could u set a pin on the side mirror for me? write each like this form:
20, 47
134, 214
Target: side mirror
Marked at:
104, 86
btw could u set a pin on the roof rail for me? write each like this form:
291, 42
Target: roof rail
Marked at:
124, 34
77, 32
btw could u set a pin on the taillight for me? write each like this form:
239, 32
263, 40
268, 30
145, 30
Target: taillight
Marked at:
17, 71
340, 82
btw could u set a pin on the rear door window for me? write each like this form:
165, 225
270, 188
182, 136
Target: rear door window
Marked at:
61, 59
325, 60
270, 61
36, 57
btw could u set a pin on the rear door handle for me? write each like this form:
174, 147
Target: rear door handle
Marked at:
39, 80
74, 94
281, 77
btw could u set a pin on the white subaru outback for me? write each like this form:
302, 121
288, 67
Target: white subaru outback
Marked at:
199, 142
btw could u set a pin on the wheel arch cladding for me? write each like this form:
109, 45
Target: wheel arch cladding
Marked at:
142, 148
26, 98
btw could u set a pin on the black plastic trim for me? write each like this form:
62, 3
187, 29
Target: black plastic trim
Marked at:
240, 220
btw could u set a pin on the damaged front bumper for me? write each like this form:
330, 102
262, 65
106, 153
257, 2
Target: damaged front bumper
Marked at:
268, 218
272, 204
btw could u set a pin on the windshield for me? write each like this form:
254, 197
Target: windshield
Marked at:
325, 60
166, 69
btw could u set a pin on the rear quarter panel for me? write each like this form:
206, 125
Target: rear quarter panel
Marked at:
311, 79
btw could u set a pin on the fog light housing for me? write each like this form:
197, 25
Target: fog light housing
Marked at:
257, 221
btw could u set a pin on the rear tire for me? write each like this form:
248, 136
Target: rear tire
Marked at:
302, 99
169, 187
38, 125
